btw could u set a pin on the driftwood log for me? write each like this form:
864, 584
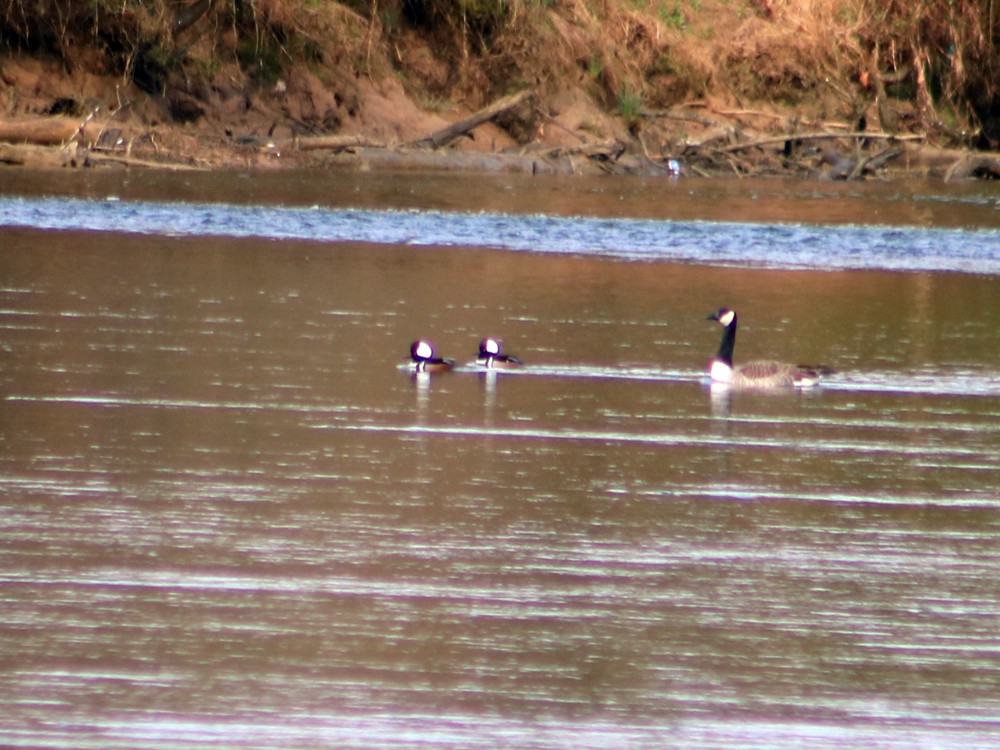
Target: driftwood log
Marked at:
974, 166
873, 162
443, 137
780, 139
437, 139
50, 131
335, 142
30, 155
92, 158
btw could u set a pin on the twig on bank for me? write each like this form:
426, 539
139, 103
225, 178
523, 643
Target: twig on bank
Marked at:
749, 113
678, 114
83, 124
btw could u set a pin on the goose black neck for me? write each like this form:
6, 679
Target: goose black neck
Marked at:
728, 343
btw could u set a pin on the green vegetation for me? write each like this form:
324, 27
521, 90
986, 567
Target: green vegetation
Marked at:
629, 104
672, 15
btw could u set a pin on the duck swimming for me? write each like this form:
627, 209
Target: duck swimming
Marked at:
423, 358
491, 355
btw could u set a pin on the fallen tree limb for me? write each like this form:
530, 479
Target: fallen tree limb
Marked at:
873, 162
775, 140
30, 155
50, 131
41, 131
973, 166
335, 142
749, 113
187, 16
678, 114
569, 131
718, 135
81, 128
131, 161
457, 129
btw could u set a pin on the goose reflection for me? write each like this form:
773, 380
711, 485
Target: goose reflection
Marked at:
721, 400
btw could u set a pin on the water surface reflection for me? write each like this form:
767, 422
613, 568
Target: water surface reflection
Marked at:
230, 518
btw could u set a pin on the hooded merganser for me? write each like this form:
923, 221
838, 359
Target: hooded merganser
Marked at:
491, 356
755, 374
423, 359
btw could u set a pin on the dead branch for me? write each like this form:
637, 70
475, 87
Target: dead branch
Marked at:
336, 143
678, 114
41, 131
187, 16
873, 162
749, 113
572, 133
610, 151
775, 140
129, 161
973, 166
80, 130
27, 155
446, 135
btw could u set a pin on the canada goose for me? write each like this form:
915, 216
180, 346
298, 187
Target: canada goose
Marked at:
755, 374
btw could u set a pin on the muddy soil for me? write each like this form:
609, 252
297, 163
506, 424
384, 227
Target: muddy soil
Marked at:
54, 114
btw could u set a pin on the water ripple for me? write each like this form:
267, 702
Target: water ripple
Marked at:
719, 243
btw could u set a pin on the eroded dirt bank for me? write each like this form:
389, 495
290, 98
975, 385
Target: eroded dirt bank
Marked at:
706, 87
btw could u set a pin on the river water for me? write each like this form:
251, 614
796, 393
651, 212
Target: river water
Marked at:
230, 518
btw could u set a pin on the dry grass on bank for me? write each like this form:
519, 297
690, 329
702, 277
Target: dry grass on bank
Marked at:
928, 65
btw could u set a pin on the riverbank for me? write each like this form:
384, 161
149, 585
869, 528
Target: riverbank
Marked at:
710, 88
726, 147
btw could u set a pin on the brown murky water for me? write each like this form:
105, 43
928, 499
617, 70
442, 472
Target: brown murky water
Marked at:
229, 518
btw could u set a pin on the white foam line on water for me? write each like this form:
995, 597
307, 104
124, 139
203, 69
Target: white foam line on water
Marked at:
925, 384
931, 384
595, 372
661, 439
860, 421
739, 244
751, 493
159, 403
943, 384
